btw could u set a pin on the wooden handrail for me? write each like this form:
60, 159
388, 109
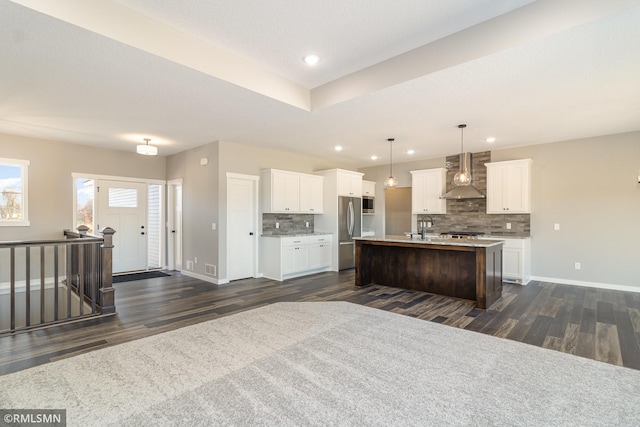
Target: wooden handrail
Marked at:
84, 286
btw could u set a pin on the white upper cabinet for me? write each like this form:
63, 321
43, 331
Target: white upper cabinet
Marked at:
349, 184
311, 194
291, 192
427, 186
509, 187
368, 188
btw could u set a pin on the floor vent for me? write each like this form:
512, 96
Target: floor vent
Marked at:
189, 265
210, 269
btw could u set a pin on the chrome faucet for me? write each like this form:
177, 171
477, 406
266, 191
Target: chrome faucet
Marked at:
423, 225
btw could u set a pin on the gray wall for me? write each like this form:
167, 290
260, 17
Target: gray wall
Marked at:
51, 183
205, 192
588, 186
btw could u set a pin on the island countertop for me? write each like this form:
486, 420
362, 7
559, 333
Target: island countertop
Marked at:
433, 240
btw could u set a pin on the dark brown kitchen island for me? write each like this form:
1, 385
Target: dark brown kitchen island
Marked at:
461, 268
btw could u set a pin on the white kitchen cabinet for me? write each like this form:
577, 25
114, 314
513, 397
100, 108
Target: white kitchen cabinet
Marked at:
516, 259
427, 186
509, 187
288, 257
311, 194
291, 192
349, 183
368, 188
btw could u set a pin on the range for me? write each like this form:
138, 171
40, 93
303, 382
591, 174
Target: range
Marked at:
461, 234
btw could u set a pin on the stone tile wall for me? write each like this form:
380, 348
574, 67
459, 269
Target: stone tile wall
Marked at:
471, 215
289, 224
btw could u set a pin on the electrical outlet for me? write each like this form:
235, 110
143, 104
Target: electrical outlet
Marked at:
277, 225
213, 225
428, 224
307, 223
195, 260
556, 227
577, 266
508, 226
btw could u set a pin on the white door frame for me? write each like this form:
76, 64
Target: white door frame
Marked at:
171, 225
256, 219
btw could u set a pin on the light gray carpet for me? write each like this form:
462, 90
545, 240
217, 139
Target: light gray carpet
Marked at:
331, 363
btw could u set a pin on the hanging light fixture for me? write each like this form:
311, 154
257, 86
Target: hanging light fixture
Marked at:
462, 188
463, 177
146, 149
390, 183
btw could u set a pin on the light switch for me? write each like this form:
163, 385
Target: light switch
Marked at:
508, 226
277, 225
213, 225
556, 226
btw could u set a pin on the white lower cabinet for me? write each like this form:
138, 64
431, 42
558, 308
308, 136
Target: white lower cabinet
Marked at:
516, 260
287, 257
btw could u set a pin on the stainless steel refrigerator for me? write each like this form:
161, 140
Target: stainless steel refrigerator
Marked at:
349, 217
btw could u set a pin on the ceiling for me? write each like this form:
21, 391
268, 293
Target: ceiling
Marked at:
109, 73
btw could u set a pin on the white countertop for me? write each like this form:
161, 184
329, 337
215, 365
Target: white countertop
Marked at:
433, 240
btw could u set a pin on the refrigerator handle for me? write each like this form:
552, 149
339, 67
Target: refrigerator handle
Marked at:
351, 218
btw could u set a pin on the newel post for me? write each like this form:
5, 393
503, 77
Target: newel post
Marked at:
82, 230
107, 298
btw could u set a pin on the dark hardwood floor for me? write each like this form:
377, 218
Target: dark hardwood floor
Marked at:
594, 323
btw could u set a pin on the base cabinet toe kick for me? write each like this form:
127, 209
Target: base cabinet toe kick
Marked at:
469, 269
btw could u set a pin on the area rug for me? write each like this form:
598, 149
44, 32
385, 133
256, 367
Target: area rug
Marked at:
138, 276
327, 363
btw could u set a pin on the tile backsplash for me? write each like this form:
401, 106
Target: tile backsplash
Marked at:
471, 215
289, 224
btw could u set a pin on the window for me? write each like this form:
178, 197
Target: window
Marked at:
13, 192
85, 195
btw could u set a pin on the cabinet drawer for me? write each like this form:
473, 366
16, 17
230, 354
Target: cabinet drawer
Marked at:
294, 241
325, 238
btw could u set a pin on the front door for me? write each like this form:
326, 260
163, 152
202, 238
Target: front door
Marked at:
241, 213
123, 207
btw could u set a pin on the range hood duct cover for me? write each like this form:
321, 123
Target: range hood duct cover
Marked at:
462, 192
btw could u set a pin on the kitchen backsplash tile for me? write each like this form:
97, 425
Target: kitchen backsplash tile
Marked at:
471, 215
289, 224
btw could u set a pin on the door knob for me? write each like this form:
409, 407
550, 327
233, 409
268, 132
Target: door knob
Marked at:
142, 233
251, 233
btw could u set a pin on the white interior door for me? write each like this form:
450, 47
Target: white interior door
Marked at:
123, 207
175, 225
242, 233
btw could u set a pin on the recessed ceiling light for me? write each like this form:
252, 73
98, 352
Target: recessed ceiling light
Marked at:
411, 152
311, 60
338, 148
374, 157
490, 139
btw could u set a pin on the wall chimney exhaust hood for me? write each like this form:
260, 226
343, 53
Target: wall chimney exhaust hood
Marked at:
462, 181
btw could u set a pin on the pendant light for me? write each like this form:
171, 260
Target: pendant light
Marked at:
390, 183
463, 177
462, 187
146, 149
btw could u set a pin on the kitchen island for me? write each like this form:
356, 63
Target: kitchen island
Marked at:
461, 268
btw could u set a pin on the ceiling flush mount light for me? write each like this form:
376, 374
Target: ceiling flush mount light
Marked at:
374, 157
146, 149
390, 183
338, 148
311, 60
411, 152
490, 139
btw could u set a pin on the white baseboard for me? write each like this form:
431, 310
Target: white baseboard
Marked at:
204, 278
609, 286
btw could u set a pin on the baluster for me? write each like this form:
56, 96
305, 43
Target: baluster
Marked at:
69, 249
55, 282
81, 279
28, 285
13, 288
42, 287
